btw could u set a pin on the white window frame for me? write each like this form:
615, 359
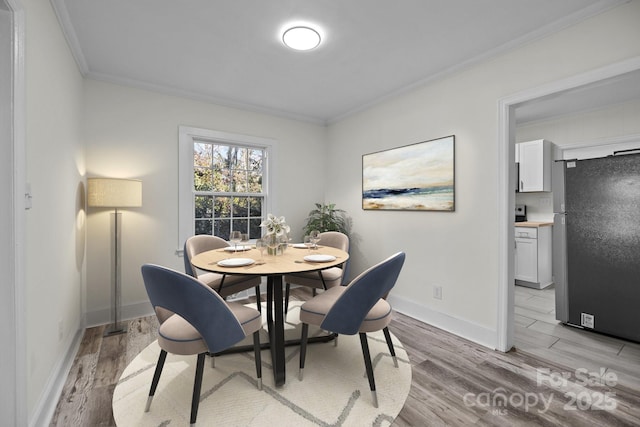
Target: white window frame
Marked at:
186, 195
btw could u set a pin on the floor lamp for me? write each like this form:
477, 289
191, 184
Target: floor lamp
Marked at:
114, 193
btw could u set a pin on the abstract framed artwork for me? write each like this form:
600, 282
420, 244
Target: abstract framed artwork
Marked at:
416, 177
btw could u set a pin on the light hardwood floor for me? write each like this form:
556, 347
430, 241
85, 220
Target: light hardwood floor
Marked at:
538, 333
455, 382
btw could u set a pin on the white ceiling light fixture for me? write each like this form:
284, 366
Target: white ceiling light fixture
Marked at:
301, 38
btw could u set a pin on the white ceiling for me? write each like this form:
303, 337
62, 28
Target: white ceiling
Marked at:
230, 52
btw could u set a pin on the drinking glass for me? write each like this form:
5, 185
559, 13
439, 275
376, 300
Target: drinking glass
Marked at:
283, 243
244, 239
308, 242
315, 238
261, 245
235, 238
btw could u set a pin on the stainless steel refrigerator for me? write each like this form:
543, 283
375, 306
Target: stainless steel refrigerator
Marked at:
596, 244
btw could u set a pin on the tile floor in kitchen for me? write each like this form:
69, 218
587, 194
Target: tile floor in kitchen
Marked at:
539, 333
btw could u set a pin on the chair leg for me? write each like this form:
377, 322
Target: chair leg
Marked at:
369, 366
287, 290
197, 385
257, 356
303, 348
258, 301
156, 378
387, 337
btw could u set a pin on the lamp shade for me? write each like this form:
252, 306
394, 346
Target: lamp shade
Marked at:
114, 193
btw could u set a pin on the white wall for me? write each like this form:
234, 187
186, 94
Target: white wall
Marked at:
134, 133
55, 169
459, 251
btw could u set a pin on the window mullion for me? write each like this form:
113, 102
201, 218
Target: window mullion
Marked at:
222, 194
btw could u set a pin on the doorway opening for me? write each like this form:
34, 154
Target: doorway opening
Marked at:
507, 109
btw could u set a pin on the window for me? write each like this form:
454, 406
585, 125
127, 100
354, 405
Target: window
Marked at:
223, 183
227, 181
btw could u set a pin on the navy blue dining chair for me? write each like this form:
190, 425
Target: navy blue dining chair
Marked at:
196, 320
357, 308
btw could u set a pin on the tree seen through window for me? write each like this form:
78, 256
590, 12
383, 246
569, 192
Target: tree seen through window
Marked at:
228, 187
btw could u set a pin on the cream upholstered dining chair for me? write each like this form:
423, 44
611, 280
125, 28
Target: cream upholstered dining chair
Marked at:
357, 308
331, 277
225, 285
196, 320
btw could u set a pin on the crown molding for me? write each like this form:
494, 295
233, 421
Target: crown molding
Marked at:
60, 9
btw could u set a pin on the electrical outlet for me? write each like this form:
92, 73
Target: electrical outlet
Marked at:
587, 320
437, 292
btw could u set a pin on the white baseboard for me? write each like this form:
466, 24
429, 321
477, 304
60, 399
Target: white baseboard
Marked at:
50, 395
128, 312
461, 327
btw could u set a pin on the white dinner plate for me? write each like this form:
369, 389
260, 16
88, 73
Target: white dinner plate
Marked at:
240, 248
299, 245
235, 262
319, 258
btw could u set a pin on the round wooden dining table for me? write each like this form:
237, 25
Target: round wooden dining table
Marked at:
274, 267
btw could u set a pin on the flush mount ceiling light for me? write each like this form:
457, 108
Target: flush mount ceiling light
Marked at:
301, 38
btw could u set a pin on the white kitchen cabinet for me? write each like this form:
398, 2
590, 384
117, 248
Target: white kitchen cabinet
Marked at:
533, 256
534, 158
526, 257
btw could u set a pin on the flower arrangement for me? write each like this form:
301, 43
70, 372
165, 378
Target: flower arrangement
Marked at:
275, 225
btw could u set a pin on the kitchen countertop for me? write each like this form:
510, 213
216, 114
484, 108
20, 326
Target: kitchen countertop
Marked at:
533, 224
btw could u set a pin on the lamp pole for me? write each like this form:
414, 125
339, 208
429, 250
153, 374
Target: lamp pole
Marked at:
115, 327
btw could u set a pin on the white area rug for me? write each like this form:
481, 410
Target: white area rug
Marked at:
334, 391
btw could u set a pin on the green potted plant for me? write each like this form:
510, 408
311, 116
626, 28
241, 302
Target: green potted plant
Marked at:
325, 217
